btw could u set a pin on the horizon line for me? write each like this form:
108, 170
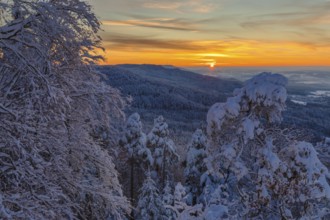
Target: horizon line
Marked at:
219, 66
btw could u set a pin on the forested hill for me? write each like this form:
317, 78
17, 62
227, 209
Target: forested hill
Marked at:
182, 97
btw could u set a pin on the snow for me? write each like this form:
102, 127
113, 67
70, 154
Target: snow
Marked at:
179, 192
215, 116
183, 210
240, 133
196, 149
232, 107
59, 109
216, 212
135, 141
321, 93
265, 90
299, 102
84, 167
316, 172
158, 138
150, 203
229, 153
249, 128
163, 148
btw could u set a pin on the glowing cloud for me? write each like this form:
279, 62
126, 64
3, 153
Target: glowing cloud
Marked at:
228, 33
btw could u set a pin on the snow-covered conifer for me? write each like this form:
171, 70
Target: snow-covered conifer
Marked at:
135, 140
150, 205
164, 151
195, 166
168, 201
182, 209
139, 156
216, 206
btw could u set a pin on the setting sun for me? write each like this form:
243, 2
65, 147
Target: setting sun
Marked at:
212, 65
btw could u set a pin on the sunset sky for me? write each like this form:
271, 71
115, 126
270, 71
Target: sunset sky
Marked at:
220, 32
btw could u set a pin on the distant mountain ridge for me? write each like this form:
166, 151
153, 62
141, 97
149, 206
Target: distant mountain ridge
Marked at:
180, 77
184, 97
181, 96
192, 90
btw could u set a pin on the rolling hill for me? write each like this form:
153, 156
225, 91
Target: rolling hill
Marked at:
184, 97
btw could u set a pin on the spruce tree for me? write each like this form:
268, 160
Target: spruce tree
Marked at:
195, 166
139, 156
163, 148
150, 205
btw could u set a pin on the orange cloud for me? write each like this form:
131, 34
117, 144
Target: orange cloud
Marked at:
160, 23
198, 6
225, 53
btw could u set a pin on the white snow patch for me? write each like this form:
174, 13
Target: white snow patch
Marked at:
320, 93
214, 212
298, 102
265, 89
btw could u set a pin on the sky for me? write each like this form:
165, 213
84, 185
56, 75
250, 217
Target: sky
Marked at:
215, 32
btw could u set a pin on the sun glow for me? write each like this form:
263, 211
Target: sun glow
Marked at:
212, 65
227, 53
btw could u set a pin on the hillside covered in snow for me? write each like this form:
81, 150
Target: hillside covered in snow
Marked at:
183, 97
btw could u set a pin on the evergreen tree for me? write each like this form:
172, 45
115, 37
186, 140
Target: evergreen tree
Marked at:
139, 156
182, 209
217, 206
195, 166
168, 201
163, 148
150, 205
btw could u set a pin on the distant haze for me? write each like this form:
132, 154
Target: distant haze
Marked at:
309, 76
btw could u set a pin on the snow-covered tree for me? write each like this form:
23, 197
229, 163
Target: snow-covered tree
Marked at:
209, 183
216, 207
164, 152
168, 201
150, 205
304, 186
269, 173
195, 166
182, 209
139, 156
323, 148
53, 164
135, 141
232, 126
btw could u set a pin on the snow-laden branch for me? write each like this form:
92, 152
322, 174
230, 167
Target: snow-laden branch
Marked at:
53, 109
